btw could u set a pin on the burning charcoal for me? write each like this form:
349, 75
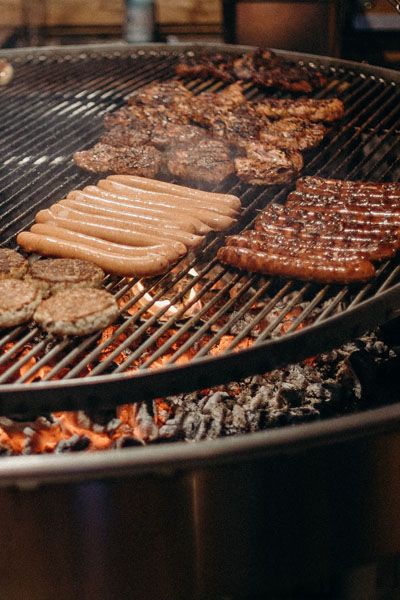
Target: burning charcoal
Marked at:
75, 443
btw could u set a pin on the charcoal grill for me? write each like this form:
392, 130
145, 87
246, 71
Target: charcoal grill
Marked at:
55, 106
233, 518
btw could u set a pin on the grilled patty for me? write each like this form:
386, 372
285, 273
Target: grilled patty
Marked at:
77, 311
12, 264
52, 275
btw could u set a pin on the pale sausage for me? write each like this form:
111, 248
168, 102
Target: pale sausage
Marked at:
111, 263
177, 190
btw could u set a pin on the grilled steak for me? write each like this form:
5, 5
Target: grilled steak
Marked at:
294, 133
169, 135
209, 160
103, 158
167, 94
262, 67
136, 133
218, 66
265, 68
266, 165
312, 109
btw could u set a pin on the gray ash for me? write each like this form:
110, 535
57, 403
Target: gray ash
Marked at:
336, 383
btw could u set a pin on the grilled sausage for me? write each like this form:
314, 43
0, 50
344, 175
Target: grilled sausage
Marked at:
114, 230
162, 187
326, 202
209, 216
103, 199
263, 242
118, 264
323, 271
136, 216
320, 184
172, 251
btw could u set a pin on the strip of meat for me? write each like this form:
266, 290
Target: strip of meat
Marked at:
190, 206
149, 213
312, 109
136, 236
265, 68
276, 243
340, 271
293, 133
102, 158
118, 264
266, 165
167, 249
218, 66
163, 187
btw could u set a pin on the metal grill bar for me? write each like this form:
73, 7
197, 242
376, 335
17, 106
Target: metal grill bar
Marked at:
54, 107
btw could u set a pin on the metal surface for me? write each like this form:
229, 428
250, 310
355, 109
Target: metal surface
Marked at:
55, 106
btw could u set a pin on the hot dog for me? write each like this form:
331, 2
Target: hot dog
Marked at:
114, 230
118, 264
172, 251
96, 208
212, 218
150, 198
323, 271
103, 199
177, 190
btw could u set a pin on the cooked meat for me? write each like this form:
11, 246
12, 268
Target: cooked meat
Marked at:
166, 93
218, 66
170, 134
238, 125
262, 67
312, 109
331, 241
52, 275
349, 189
275, 241
103, 158
294, 133
135, 133
268, 165
209, 161
12, 264
18, 301
78, 311
140, 115
265, 68
336, 270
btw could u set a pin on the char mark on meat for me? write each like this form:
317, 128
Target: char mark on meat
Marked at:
209, 161
262, 67
132, 134
168, 94
145, 161
170, 135
268, 165
218, 66
294, 133
312, 109
265, 68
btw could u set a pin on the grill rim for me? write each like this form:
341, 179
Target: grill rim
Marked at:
369, 313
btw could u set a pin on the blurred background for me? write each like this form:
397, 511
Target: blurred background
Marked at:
361, 30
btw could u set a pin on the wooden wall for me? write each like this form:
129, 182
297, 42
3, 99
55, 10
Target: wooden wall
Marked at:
105, 12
